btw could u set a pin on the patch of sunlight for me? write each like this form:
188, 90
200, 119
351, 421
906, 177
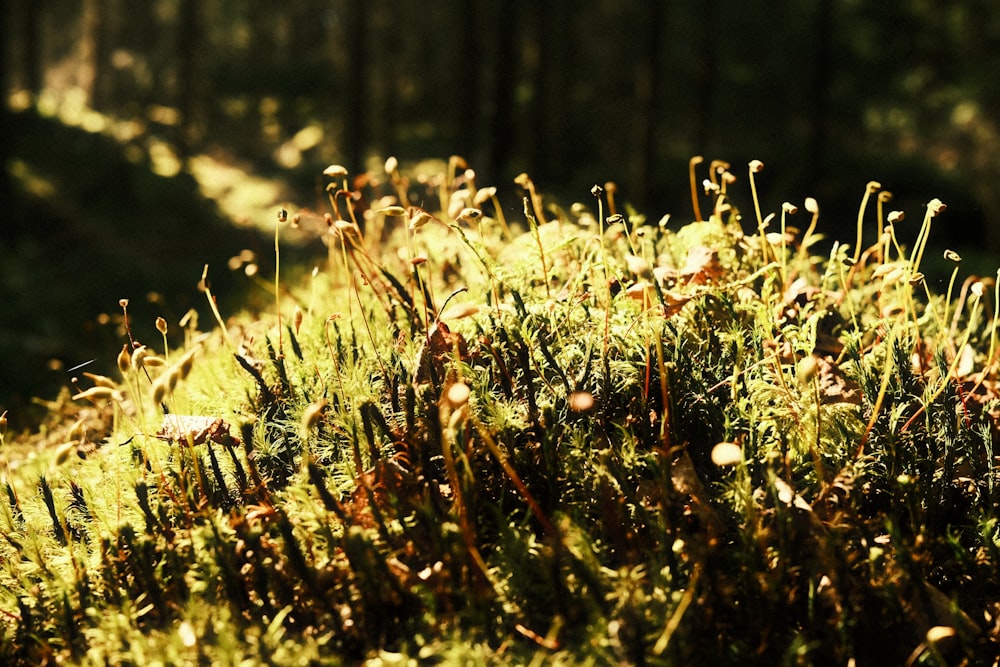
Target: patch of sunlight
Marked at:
234, 107
93, 121
308, 137
70, 107
73, 106
125, 131
33, 183
20, 100
243, 198
48, 104
163, 115
289, 154
134, 154
163, 159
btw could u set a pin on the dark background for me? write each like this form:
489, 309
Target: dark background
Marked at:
829, 94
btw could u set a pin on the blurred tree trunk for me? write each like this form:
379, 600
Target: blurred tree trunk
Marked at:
31, 49
648, 75
819, 98
707, 75
355, 100
542, 75
497, 109
188, 99
467, 76
93, 54
5, 83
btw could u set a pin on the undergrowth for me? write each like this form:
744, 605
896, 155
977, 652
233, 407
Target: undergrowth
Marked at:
566, 436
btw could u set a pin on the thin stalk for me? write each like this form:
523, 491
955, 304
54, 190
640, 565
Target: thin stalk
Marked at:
277, 268
872, 187
371, 337
692, 177
541, 249
883, 388
934, 207
812, 207
943, 383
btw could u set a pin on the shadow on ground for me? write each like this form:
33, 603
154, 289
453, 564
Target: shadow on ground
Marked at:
85, 226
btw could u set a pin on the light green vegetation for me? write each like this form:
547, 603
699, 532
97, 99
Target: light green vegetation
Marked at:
565, 436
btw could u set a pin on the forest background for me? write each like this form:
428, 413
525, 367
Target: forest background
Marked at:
142, 140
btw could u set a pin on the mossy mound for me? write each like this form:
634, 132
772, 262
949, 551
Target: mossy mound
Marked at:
627, 443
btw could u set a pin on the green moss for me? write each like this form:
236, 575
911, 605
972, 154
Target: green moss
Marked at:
319, 488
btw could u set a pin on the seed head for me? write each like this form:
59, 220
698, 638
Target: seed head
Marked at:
393, 211
95, 393
470, 214
581, 401
185, 364
418, 218
756, 166
161, 325
458, 394
483, 195
952, 256
124, 359
312, 415
806, 369
726, 454
335, 171
138, 357
811, 205
160, 388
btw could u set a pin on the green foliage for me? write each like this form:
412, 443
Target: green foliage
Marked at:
598, 441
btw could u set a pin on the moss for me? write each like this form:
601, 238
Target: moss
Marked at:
659, 444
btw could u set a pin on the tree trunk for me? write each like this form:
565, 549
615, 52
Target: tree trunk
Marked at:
356, 91
5, 82
708, 74
647, 83
497, 109
93, 52
31, 41
188, 94
819, 99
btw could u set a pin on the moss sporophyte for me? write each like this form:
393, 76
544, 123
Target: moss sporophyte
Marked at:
562, 436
